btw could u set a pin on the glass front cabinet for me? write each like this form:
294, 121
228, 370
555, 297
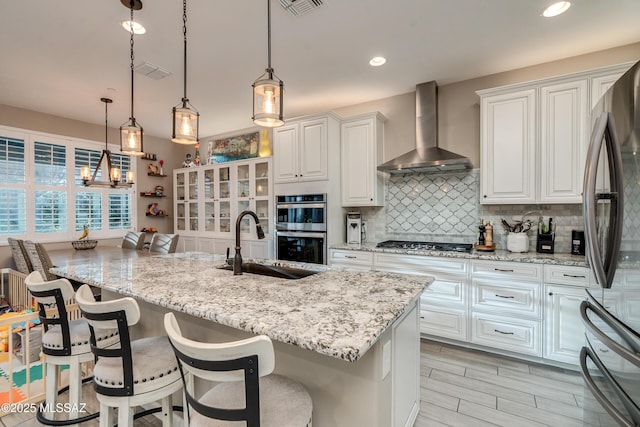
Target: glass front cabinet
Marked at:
210, 198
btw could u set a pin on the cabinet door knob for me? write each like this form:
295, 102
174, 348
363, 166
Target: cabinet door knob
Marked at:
485, 196
550, 294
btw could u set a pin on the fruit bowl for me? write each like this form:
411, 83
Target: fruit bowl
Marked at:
84, 244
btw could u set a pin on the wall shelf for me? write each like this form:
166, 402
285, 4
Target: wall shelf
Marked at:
150, 214
145, 194
156, 174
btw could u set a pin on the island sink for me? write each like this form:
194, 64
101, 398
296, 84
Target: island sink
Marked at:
272, 270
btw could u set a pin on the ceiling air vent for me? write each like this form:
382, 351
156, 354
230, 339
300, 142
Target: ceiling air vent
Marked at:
300, 7
152, 71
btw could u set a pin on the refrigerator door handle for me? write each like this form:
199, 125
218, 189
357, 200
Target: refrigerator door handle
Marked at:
613, 323
634, 411
603, 265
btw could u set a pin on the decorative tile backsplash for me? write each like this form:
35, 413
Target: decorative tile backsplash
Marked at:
446, 207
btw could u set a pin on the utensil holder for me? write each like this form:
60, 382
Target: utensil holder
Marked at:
517, 242
545, 243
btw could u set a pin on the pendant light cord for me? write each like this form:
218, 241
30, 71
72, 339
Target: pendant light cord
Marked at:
270, 70
184, 32
106, 124
133, 120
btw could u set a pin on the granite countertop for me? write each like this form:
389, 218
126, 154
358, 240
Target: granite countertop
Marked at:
335, 312
497, 255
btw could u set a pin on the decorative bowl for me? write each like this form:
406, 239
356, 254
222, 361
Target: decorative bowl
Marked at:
84, 244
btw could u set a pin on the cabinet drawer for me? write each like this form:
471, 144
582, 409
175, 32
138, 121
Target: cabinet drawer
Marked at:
566, 275
444, 322
445, 290
506, 333
520, 299
416, 264
506, 270
355, 258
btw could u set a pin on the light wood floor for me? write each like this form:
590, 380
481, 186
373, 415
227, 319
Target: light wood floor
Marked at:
467, 388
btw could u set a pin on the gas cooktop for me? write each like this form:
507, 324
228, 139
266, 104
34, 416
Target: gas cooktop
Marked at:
426, 246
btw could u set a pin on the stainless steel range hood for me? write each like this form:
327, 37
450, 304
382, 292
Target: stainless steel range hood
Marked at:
427, 156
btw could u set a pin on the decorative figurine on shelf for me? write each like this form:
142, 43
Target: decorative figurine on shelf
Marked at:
188, 163
196, 162
159, 190
152, 169
161, 163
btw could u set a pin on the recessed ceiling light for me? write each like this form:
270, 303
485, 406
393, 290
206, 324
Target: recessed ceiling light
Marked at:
138, 28
377, 61
556, 9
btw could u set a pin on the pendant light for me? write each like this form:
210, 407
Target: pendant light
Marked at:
185, 116
268, 90
114, 174
131, 133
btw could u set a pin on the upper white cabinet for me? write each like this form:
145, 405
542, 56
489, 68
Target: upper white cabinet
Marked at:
564, 140
534, 137
508, 147
361, 150
300, 149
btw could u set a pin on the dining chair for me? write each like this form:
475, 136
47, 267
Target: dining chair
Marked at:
40, 259
20, 257
132, 373
164, 243
133, 240
64, 343
246, 388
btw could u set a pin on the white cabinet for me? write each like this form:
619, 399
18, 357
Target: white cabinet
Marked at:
564, 291
443, 304
353, 260
564, 140
534, 137
508, 147
506, 306
209, 199
361, 151
300, 149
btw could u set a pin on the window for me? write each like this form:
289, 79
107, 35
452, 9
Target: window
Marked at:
42, 196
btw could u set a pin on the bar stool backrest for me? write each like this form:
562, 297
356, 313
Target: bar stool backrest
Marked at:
246, 360
20, 257
133, 240
51, 294
39, 258
119, 314
164, 243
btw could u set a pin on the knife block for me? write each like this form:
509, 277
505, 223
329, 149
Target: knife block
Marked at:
545, 243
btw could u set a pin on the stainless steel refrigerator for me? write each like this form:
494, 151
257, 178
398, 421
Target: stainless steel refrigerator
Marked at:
610, 359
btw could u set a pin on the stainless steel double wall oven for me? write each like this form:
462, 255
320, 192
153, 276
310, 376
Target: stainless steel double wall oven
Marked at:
301, 228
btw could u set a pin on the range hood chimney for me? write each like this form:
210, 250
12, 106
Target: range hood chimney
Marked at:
427, 156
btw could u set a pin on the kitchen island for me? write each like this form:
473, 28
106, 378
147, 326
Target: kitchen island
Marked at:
351, 338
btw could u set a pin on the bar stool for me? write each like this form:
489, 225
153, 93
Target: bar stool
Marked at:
133, 240
65, 342
164, 243
133, 373
248, 391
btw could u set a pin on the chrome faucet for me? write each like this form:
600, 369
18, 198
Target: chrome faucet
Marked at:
237, 259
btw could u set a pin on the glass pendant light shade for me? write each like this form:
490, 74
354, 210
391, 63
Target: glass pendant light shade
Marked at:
185, 124
131, 136
267, 100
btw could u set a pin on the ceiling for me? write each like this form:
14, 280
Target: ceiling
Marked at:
60, 57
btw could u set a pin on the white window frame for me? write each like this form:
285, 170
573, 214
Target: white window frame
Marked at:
30, 137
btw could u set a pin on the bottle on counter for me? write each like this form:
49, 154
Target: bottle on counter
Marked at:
489, 234
482, 230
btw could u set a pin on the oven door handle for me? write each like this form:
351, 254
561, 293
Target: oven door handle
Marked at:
629, 405
300, 234
300, 205
616, 325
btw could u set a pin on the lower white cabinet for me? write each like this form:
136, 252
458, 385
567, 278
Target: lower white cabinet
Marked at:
516, 307
564, 291
443, 304
506, 333
250, 248
564, 332
353, 260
